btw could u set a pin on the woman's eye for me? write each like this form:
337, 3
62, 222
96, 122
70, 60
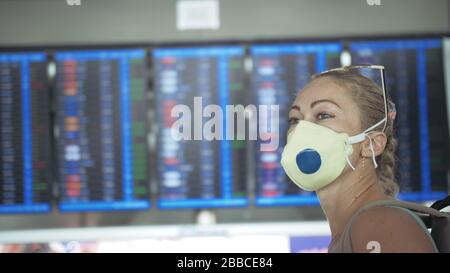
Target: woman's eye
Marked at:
322, 116
293, 121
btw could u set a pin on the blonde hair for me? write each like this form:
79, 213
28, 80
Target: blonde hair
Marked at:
369, 98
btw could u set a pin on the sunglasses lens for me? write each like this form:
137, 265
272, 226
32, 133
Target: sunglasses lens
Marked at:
373, 74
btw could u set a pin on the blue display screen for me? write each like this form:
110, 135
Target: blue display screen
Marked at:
199, 173
415, 82
102, 119
280, 71
414, 78
25, 175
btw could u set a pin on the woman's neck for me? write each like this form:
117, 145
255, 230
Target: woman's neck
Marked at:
342, 198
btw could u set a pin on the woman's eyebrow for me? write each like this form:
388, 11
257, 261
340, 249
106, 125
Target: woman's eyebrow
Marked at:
295, 107
324, 100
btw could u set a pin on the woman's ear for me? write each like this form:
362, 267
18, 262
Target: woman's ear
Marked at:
379, 141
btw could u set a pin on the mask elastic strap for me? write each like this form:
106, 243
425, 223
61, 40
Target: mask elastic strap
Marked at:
375, 126
370, 140
373, 152
371, 149
349, 163
360, 137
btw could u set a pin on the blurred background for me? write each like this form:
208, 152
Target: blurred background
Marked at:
87, 88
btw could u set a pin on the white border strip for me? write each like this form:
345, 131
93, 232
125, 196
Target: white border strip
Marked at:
315, 228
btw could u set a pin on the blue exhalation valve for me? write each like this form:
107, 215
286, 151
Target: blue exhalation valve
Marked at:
308, 161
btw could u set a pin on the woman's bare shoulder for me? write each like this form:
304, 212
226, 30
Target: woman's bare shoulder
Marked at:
388, 229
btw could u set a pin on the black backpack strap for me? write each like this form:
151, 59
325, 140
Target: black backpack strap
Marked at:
440, 204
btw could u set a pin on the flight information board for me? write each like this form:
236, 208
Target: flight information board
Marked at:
199, 173
101, 114
280, 71
415, 81
25, 174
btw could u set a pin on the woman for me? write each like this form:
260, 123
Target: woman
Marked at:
341, 145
